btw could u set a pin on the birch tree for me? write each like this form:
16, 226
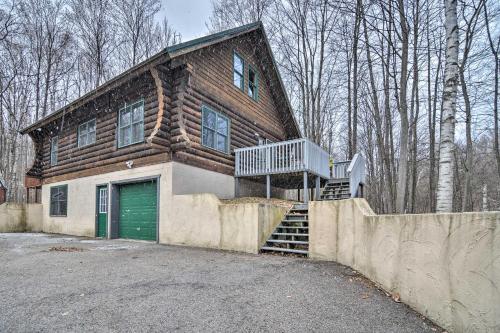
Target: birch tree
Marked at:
447, 141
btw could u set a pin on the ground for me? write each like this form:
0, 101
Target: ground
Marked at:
57, 283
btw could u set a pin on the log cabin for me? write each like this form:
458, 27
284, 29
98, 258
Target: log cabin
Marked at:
209, 115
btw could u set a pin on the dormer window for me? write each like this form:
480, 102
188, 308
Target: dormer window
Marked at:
253, 83
238, 70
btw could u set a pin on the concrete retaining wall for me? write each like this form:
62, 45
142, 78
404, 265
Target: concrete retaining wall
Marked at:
202, 220
446, 266
20, 217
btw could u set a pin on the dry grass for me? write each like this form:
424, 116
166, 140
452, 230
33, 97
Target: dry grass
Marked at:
273, 201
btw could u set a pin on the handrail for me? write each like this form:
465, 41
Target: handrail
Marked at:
282, 157
356, 172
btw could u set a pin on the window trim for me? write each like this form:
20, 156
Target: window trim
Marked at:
50, 200
103, 203
256, 85
242, 87
130, 105
54, 152
95, 131
228, 134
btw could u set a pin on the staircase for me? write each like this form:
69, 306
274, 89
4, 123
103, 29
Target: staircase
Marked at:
292, 234
336, 189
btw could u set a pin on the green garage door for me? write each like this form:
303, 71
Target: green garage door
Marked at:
138, 211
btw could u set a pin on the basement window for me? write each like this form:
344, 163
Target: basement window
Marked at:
253, 83
215, 130
54, 142
131, 124
59, 200
238, 70
86, 133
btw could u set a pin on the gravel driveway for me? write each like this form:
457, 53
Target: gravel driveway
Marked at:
59, 283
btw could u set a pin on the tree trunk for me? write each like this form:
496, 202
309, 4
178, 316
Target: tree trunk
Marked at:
447, 141
403, 111
357, 23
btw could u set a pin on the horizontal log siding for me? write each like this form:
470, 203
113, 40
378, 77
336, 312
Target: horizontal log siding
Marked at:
208, 80
105, 151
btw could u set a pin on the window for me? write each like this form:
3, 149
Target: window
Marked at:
253, 83
59, 200
131, 124
103, 200
86, 133
53, 150
215, 130
238, 67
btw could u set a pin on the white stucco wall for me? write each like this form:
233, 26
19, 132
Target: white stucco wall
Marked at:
446, 266
80, 219
188, 179
20, 217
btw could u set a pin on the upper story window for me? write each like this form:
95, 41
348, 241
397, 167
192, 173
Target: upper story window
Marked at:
238, 70
86, 133
131, 124
54, 142
59, 200
253, 83
215, 130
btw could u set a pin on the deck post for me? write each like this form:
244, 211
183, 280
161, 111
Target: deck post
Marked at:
268, 186
236, 187
318, 184
306, 191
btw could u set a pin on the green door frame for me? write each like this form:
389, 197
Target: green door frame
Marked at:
114, 207
97, 197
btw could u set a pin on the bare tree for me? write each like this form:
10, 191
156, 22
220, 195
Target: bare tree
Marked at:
94, 28
447, 140
131, 19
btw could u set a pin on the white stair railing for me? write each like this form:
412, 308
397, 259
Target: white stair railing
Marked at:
356, 173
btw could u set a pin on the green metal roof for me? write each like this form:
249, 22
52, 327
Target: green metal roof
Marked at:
213, 37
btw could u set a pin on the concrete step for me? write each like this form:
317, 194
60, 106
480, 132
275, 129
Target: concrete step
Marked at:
295, 221
282, 241
287, 234
291, 227
282, 249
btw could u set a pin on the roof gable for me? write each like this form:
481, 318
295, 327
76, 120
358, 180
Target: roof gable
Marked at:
165, 55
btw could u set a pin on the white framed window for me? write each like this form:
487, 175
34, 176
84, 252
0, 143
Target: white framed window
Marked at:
215, 130
103, 200
86, 133
54, 142
238, 70
131, 124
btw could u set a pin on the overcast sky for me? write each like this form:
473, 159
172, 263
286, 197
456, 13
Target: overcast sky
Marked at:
187, 16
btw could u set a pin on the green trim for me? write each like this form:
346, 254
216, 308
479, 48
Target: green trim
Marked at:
65, 187
242, 84
130, 107
79, 129
205, 108
53, 155
255, 96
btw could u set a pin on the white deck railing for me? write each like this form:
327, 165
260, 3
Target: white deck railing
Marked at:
282, 157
